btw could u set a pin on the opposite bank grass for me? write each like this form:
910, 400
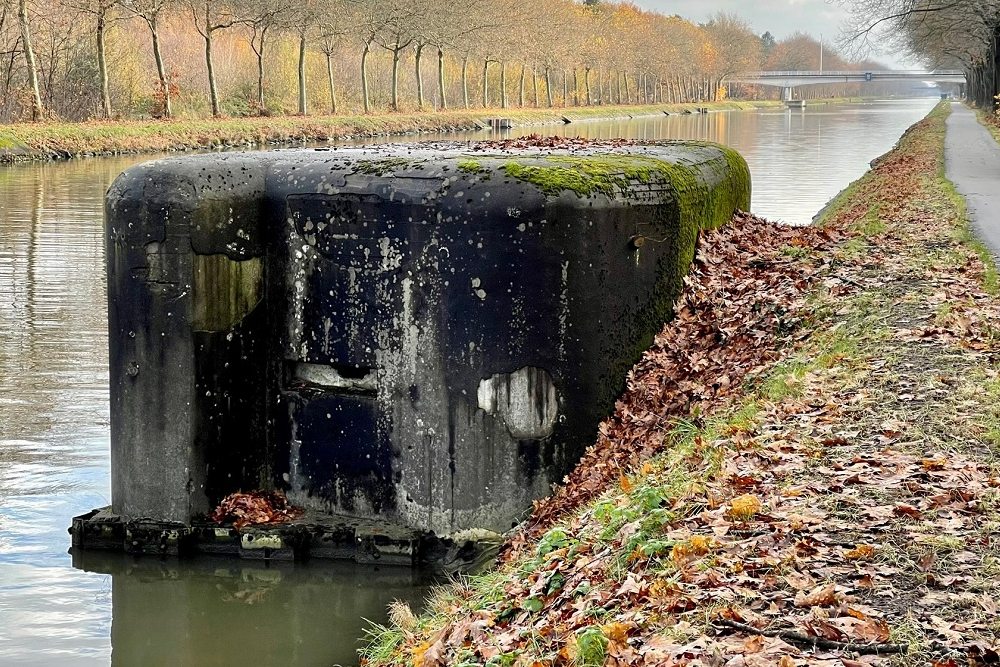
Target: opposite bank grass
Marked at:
47, 140
844, 494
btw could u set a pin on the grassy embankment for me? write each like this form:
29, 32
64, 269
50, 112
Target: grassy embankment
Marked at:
802, 471
991, 121
40, 141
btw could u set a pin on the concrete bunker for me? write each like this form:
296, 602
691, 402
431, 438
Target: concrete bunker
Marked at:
413, 342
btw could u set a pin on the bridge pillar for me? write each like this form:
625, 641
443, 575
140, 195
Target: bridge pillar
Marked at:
786, 94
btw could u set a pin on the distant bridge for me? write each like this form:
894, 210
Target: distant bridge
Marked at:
794, 79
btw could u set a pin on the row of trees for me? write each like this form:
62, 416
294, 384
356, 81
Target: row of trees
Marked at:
945, 34
82, 58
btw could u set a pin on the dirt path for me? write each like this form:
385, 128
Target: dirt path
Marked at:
972, 159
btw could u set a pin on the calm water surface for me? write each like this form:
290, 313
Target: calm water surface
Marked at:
54, 419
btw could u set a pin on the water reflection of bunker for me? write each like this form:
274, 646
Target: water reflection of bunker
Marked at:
423, 338
277, 614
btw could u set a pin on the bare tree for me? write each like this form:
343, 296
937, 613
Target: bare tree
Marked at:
962, 33
209, 17
396, 35
264, 19
37, 111
305, 15
452, 24
371, 18
336, 20
150, 12
104, 15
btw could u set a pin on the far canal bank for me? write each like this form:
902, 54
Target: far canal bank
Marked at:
46, 141
802, 472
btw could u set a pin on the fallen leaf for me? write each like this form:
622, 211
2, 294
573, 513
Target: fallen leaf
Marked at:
861, 552
745, 507
821, 596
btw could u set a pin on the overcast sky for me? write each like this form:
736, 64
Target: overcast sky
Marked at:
781, 17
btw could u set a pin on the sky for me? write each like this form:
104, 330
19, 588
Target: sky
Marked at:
780, 17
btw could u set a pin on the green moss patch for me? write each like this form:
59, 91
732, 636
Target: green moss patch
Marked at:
707, 191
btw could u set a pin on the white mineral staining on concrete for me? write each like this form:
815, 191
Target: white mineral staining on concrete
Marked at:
391, 254
477, 288
525, 400
563, 309
327, 376
298, 274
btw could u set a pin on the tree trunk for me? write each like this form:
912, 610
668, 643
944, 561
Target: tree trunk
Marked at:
565, 100
364, 77
548, 86
420, 79
534, 85
586, 86
503, 85
465, 81
303, 100
994, 70
161, 71
628, 90
486, 83
29, 58
213, 91
329, 79
260, 74
395, 78
520, 88
102, 67
600, 86
576, 89
444, 102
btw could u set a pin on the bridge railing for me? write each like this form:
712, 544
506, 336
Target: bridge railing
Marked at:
799, 73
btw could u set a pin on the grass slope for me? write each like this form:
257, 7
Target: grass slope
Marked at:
802, 471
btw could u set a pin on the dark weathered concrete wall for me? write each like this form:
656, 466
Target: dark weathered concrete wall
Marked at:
419, 334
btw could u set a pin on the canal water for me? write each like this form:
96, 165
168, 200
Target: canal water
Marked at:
100, 609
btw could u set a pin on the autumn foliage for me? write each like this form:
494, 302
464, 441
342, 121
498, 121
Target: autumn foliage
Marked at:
255, 508
502, 54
